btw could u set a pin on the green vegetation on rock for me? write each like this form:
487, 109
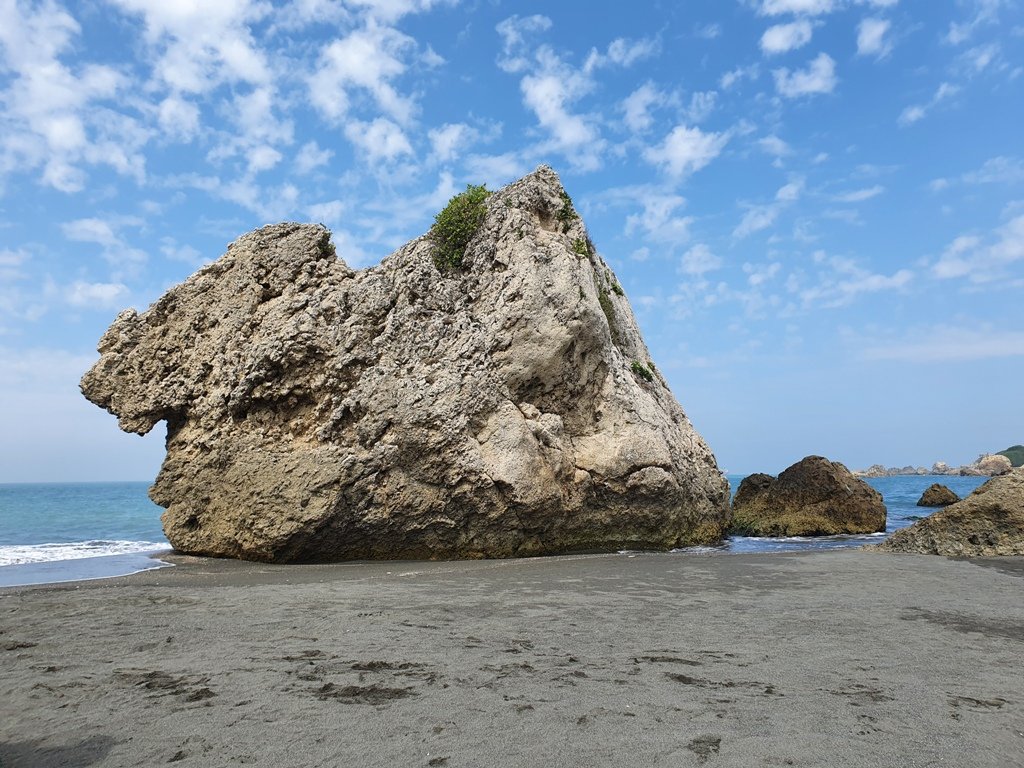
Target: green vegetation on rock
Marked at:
455, 226
567, 214
642, 371
1015, 453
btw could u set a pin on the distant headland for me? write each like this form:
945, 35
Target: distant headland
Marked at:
986, 465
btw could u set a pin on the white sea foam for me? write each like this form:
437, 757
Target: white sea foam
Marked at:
20, 554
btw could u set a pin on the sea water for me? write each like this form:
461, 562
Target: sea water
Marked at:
51, 532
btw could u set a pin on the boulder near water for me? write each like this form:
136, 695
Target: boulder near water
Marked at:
501, 403
990, 521
937, 495
814, 497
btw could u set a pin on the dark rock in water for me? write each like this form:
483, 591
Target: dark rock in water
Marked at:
814, 497
495, 402
937, 495
988, 522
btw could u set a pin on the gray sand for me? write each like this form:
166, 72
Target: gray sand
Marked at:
847, 658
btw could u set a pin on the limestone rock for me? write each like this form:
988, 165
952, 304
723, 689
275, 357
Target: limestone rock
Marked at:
814, 497
937, 495
988, 522
989, 465
316, 413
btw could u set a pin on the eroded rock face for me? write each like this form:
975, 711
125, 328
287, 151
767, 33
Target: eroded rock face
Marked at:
990, 465
937, 495
990, 521
316, 413
814, 497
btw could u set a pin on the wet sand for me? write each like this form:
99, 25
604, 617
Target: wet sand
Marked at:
842, 658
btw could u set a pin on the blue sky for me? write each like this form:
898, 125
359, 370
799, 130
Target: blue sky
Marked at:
816, 207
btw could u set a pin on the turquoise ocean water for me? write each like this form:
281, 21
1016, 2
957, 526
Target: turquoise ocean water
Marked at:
51, 532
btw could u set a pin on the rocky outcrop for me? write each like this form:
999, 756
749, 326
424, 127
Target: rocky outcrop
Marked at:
989, 465
988, 522
814, 497
505, 406
937, 495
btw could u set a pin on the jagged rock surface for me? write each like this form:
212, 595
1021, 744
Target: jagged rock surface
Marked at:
814, 497
937, 495
316, 413
990, 521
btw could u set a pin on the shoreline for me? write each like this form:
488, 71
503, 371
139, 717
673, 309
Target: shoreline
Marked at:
841, 657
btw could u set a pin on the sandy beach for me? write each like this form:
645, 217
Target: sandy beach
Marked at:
842, 658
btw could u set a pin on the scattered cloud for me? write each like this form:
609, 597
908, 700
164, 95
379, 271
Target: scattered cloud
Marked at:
699, 260
916, 112
786, 37
997, 170
310, 157
983, 259
807, 7
686, 150
840, 280
859, 195
871, 38
636, 107
818, 77
379, 140
945, 344
96, 295
659, 220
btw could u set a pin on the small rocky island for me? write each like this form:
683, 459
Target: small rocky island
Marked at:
814, 497
483, 392
937, 495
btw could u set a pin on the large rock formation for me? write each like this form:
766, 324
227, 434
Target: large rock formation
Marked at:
988, 522
814, 497
937, 495
989, 465
315, 413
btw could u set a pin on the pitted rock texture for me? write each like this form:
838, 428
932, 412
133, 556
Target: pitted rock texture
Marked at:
316, 413
937, 495
814, 497
990, 521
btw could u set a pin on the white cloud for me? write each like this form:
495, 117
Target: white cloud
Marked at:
310, 157
659, 220
808, 7
686, 150
997, 170
176, 251
859, 195
818, 77
946, 344
983, 260
198, 46
790, 192
90, 231
699, 260
637, 106
550, 90
621, 52
58, 117
979, 58
774, 146
734, 76
702, 104
178, 118
757, 218
379, 140
96, 295
985, 12
871, 38
451, 141
917, 112
329, 213
514, 31
841, 280
367, 60
786, 37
